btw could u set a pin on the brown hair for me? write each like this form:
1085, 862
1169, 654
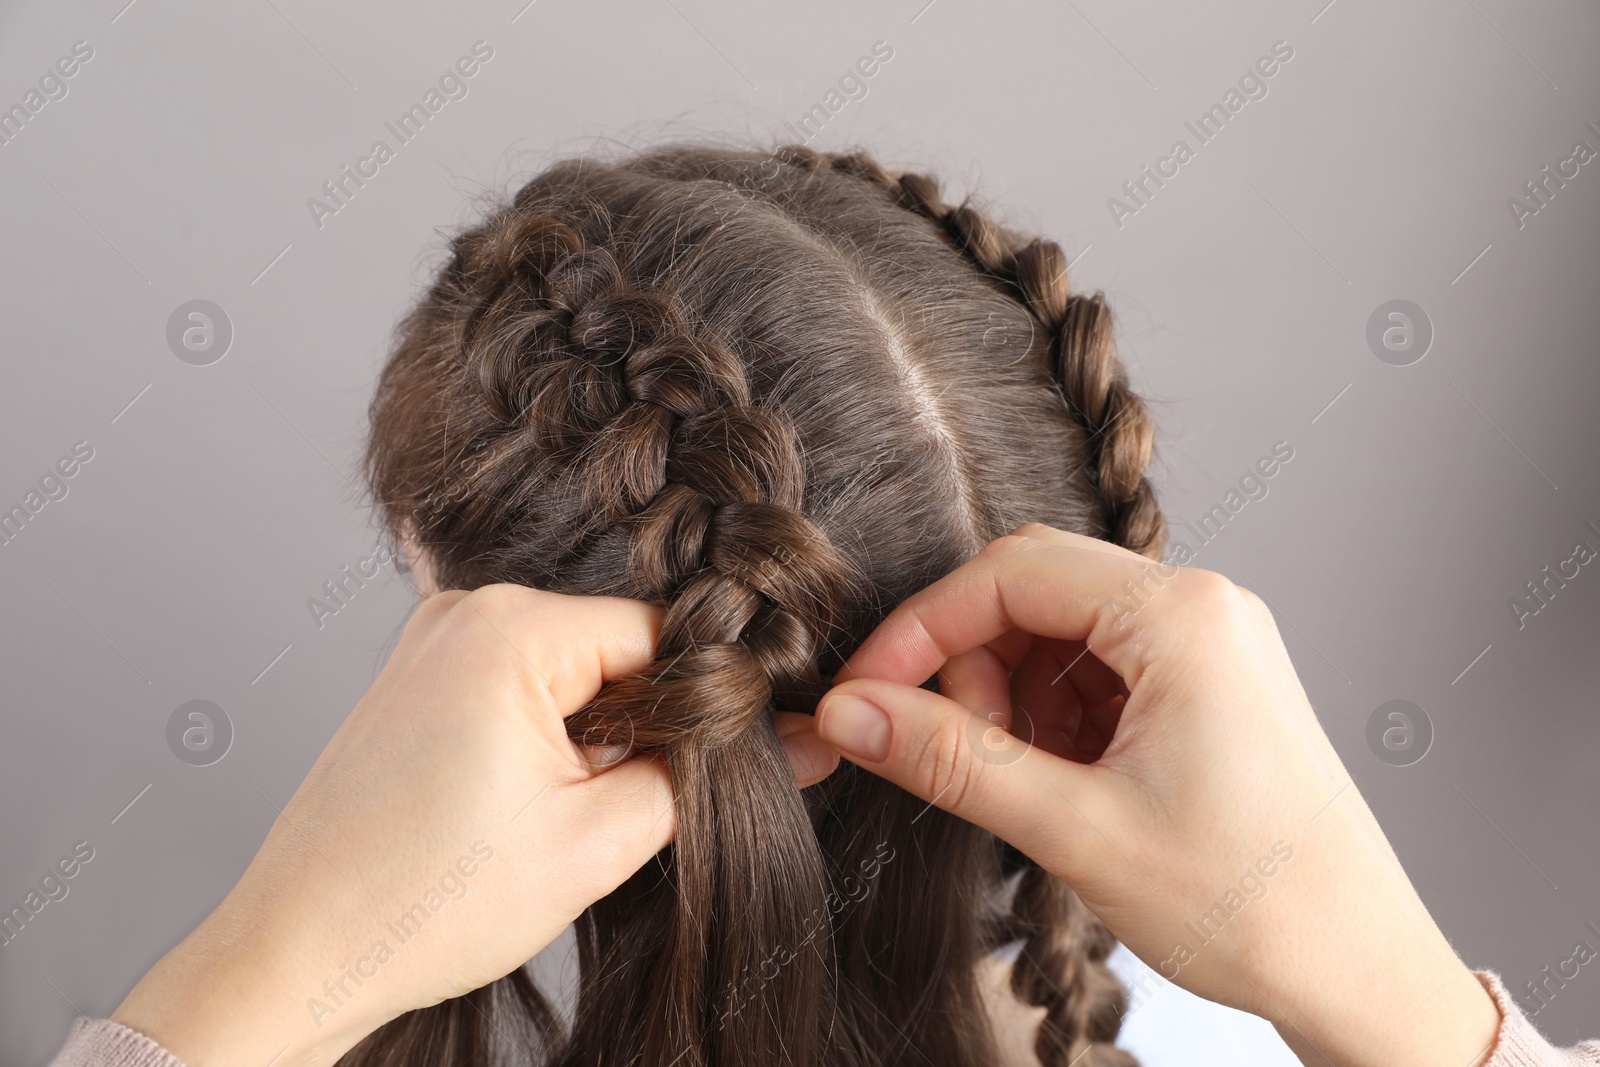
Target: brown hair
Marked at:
777, 393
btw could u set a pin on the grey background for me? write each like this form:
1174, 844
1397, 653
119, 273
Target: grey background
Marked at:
1379, 166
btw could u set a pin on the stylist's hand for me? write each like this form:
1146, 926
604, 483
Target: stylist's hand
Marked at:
1177, 778
448, 832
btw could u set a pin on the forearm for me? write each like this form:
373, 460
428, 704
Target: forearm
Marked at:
234, 992
1397, 1018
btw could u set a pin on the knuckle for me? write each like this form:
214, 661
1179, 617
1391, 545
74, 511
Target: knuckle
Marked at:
496, 598
1210, 603
1208, 591
945, 763
1012, 543
1029, 528
476, 618
1001, 545
506, 605
1255, 603
434, 608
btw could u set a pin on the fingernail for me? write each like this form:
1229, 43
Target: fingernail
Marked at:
855, 727
601, 757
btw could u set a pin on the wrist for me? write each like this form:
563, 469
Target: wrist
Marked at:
1419, 1015
236, 991
1358, 974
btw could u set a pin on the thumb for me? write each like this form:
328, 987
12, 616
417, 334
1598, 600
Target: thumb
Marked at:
628, 809
934, 748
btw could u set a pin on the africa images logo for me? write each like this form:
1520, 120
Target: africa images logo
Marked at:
452, 85
1252, 85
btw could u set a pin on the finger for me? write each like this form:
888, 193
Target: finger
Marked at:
601, 757
978, 681
1044, 675
1066, 590
1014, 645
1042, 689
1099, 727
934, 748
629, 806
1058, 683
810, 757
1038, 531
571, 644
425, 616
1075, 662
1095, 682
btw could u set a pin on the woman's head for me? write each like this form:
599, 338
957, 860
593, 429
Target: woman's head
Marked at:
777, 393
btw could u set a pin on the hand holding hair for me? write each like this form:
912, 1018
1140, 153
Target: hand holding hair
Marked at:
1177, 778
401, 872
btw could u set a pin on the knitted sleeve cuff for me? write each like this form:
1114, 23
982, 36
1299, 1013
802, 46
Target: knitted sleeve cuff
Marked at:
103, 1043
1520, 1045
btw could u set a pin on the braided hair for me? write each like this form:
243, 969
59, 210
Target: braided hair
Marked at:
776, 393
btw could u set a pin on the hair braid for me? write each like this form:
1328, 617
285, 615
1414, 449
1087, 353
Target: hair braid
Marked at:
674, 464
1088, 374
708, 486
1062, 964
1062, 968
658, 432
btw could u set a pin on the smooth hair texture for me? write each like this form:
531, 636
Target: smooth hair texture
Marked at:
777, 393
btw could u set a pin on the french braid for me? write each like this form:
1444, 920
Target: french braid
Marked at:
1088, 374
655, 428
1062, 964
655, 451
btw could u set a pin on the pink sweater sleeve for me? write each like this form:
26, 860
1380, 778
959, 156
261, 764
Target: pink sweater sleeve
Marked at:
1520, 1045
103, 1043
